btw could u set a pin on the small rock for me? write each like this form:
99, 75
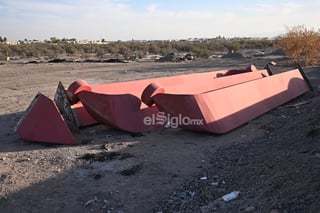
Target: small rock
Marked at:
3, 158
215, 183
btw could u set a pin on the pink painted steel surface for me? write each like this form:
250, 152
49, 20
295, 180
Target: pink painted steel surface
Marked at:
42, 122
126, 112
223, 110
137, 87
119, 111
84, 118
74, 88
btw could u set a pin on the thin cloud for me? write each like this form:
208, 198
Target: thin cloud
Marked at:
16, 7
124, 20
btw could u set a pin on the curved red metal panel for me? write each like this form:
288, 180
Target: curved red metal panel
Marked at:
225, 109
126, 112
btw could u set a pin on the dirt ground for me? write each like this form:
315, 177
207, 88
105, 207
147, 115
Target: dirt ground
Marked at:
274, 160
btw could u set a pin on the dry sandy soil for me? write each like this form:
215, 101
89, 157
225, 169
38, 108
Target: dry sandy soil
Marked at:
274, 160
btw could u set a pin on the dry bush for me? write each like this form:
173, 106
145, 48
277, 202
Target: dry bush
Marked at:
301, 43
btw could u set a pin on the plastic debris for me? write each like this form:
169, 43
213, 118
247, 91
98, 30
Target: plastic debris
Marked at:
90, 201
181, 194
231, 196
191, 193
297, 104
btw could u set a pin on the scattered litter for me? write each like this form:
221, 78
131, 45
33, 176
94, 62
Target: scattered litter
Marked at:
317, 155
90, 201
204, 178
273, 63
297, 104
186, 193
191, 193
181, 194
231, 196
215, 183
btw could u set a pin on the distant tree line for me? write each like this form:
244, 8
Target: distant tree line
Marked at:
299, 42
201, 48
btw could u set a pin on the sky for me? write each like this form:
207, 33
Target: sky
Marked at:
154, 19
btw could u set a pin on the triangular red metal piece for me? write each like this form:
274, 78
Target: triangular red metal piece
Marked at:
42, 122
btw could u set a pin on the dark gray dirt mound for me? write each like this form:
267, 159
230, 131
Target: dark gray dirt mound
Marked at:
278, 172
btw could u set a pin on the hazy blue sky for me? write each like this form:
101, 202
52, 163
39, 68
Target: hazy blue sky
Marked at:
155, 19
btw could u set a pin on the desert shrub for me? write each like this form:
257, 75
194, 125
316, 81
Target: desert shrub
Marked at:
154, 48
140, 54
300, 43
233, 47
125, 51
100, 52
71, 49
2, 56
115, 51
